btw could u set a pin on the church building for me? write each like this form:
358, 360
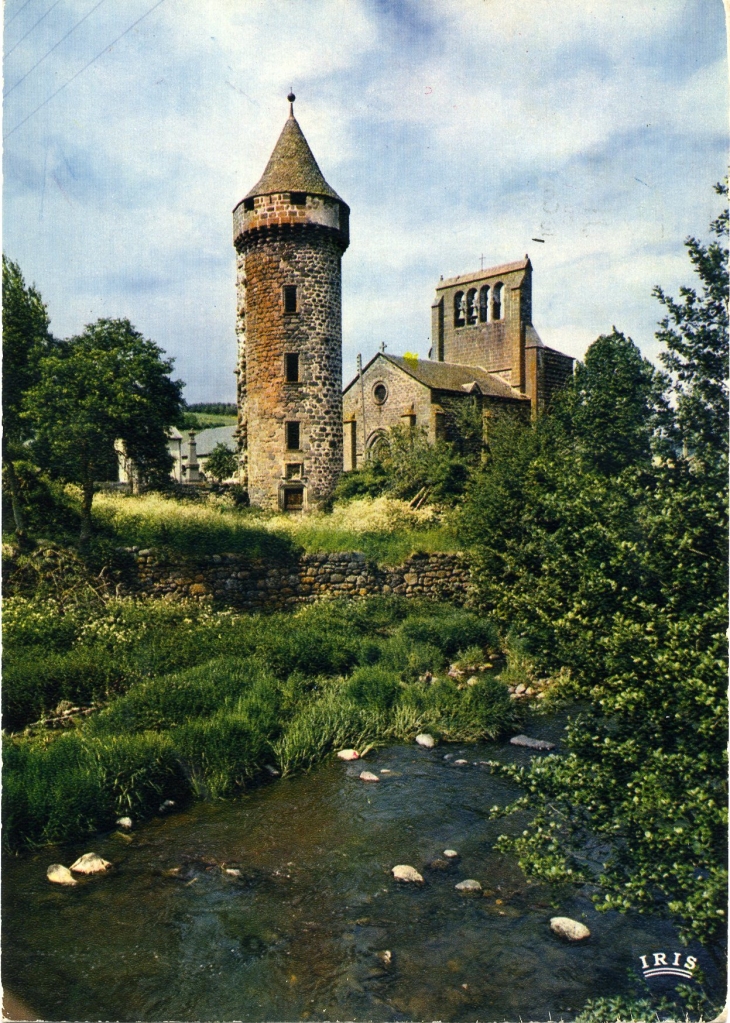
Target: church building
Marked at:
484, 350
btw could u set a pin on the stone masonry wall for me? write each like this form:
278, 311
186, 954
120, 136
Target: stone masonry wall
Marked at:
281, 243
259, 584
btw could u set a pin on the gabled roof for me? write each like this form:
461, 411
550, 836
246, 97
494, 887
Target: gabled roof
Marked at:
448, 376
292, 167
482, 275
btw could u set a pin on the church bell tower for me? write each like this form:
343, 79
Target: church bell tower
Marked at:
290, 232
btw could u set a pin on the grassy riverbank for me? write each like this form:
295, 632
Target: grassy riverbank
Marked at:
199, 702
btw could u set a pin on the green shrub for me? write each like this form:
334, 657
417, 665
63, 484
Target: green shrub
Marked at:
452, 631
372, 686
35, 681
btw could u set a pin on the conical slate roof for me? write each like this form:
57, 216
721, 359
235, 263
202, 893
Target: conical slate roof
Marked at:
292, 167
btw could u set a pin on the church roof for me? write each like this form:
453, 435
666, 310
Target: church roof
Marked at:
449, 376
292, 167
481, 275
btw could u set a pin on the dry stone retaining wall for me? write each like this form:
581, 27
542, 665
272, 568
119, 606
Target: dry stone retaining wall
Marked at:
260, 584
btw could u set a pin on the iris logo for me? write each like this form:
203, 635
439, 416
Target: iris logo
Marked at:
661, 968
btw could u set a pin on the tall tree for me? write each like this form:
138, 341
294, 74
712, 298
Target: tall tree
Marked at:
695, 332
615, 408
26, 338
107, 383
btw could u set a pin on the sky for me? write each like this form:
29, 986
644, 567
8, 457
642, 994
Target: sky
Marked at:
458, 131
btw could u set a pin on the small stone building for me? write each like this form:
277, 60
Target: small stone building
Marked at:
484, 349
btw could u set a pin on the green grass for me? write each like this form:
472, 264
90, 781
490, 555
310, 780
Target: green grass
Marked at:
385, 530
200, 701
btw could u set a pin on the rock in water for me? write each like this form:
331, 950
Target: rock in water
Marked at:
167, 805
470, 885
402, 872
273, 771
90, 863
439, 864
348, 754
525, 740
60, 874
460, 763
426, 740
450, 854
386, 957
572, 930
125, 822
368, 776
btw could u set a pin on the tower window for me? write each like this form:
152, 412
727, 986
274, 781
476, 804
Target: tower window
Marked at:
292, 436
497, 302
291, 367
248, 204
459, 309
484, 304
471, 306
290, 298
298, 198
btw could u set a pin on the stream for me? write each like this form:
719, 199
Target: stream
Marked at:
302, 932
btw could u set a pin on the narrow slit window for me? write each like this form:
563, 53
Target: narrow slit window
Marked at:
484, 304
248, 204
291, 367
290, 298
292, 436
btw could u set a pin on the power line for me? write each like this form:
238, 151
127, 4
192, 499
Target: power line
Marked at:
72, 79
16, 14
88, 15
57, 2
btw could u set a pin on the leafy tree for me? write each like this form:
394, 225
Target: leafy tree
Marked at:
613, 566
695, 332
221, 463
405, 463
107, 383
615, 408
26, 338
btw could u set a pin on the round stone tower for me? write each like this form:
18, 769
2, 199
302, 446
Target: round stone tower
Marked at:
290, 232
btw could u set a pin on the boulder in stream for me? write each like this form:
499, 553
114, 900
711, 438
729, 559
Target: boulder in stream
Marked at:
470, 885
348, 754
90, 863
526, 740
60, 874
426, 740
404, 872
368, 776
125, 822
571, 930
450, 854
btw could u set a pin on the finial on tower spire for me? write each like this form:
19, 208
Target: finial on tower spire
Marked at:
291, 97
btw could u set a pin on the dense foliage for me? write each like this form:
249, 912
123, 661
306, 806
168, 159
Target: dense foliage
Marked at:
600, 535
26, 339
201, 700
107, 384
